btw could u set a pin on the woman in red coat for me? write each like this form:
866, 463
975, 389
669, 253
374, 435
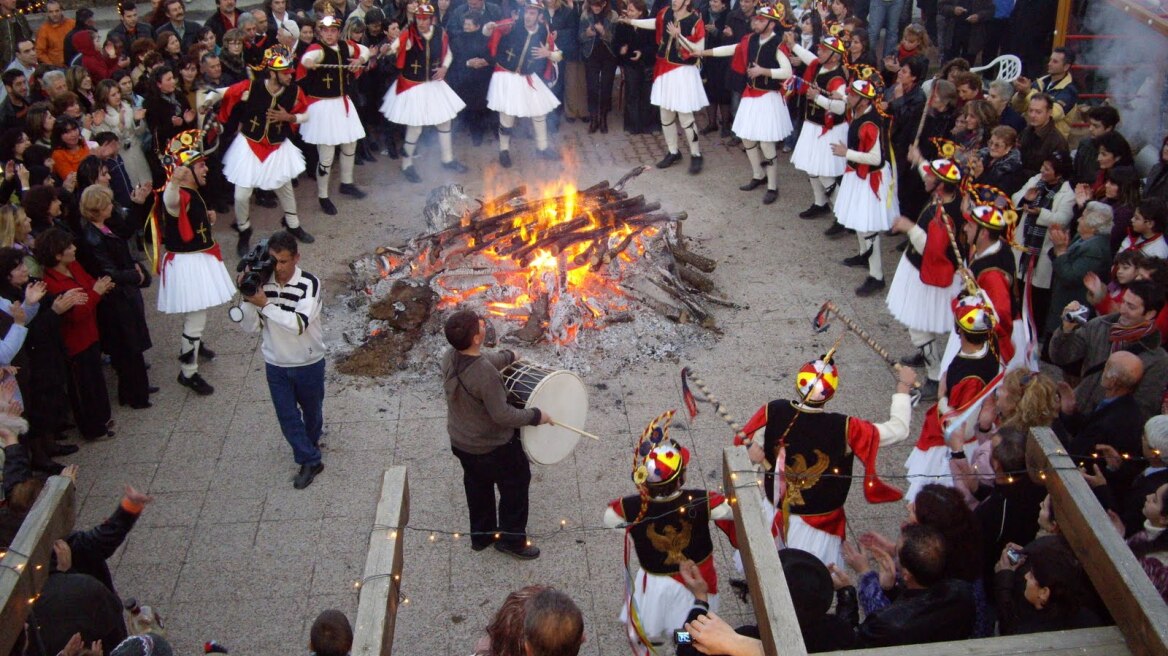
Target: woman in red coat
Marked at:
87, 391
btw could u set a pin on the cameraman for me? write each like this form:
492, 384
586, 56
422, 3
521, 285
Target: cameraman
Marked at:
287, 309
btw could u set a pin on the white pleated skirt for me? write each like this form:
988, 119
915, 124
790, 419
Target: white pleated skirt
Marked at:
927, 466
330, 123
919, 306
821, 544
242, 168
428, 103
521, 96
193, 281
679, 90
812, 153
763, 118
856, 207
662, 605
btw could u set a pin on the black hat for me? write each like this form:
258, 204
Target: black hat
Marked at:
809, 582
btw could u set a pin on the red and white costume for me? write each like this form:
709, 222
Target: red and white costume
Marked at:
677, 85
332, 116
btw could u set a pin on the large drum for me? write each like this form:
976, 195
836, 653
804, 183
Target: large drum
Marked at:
560, 394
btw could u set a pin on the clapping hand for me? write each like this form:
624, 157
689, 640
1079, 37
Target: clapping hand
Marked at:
541, 52
874, 541
755, 71
1082, 193
141, 193
1060, 238
138, 498
1066, 394
674, 29
34, 292
16, 311
64, 302
103, 285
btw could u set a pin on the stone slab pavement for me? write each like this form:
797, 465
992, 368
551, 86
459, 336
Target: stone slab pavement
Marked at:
229, 551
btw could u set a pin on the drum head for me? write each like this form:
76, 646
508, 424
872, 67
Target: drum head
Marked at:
562, 395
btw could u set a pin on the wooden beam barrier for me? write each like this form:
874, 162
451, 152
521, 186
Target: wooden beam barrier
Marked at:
1102, 641
380, 585
25, 564
777, 624
1138, 609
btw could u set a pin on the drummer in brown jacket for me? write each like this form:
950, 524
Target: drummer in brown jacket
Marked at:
484, 435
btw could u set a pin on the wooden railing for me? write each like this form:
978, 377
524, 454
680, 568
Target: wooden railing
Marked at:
380, 585
25, 564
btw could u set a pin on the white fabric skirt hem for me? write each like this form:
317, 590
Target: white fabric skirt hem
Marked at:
429, 103
927, 466
242, 168
679, 90
763, 118
331, 124
856, 207
662, 605
193, 281
512, 94
812, 153
821, 544
919, 306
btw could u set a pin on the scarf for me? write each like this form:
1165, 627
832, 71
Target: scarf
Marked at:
1121, 337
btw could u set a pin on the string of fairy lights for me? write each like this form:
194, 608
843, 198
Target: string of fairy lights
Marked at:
434, 535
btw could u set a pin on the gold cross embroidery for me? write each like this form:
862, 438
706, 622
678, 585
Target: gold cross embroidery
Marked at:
202, 232
328, 81
255, 123
510, 54
416, 66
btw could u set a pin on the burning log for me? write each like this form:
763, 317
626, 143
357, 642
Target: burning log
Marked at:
699, 262
533, 329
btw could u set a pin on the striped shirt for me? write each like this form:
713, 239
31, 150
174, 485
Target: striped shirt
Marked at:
290, 322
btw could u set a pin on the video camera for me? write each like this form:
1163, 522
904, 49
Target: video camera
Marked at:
258, 265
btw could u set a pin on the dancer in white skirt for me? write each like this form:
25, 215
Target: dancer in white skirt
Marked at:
677, 85
193, 277
263, 155
825, 84
524, 58
420, 95
926, 280
669, 526
866, 201
327, 73
975, 367
762, 119
817, 450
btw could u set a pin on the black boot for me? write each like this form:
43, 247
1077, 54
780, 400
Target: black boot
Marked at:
244, 244
604, 124
593, 123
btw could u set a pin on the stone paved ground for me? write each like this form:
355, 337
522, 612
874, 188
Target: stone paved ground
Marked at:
231, 552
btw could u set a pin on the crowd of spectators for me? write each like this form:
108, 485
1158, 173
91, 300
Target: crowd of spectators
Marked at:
82, 116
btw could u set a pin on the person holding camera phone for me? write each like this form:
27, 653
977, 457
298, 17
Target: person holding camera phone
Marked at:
193, 277
285, 307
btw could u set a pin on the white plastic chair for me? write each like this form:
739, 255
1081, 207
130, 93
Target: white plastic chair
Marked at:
1009, 67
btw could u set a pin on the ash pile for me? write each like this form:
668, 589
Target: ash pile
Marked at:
592, 275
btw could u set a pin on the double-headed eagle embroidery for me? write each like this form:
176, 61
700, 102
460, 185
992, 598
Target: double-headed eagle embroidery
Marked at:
801, 477
671, 541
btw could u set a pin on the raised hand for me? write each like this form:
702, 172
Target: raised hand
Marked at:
34, 292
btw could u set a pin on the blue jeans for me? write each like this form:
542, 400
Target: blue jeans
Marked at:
884, 14
298, 394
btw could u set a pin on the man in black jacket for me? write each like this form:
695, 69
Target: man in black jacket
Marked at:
906, 104
927, 608
130, 29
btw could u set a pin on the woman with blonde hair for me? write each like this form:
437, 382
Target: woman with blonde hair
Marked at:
104, 251
128, 124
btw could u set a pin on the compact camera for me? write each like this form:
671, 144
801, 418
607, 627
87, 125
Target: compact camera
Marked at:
1014, 556
1078, 315
682, 638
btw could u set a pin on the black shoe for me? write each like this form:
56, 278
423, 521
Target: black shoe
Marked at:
834, 230
505, 159
726, 131
456, 166
754, 183
153, 389
548, 154
527, 552
64, 450
299, 233
604, 124
929, 390
141, 406
712, 127
814, 211
51, 468
352, 190
669, 160
367, 152
196, 383
734, 141
326, 206
770, 196
860, 260
915, 360
485, 545
411, 174
306, 475
870, 286
266, 199
695, 164
593, 124
244, 244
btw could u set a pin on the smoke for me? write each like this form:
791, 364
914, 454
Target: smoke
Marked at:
1133, 70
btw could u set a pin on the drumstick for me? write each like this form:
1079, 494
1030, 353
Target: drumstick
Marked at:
574, 430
